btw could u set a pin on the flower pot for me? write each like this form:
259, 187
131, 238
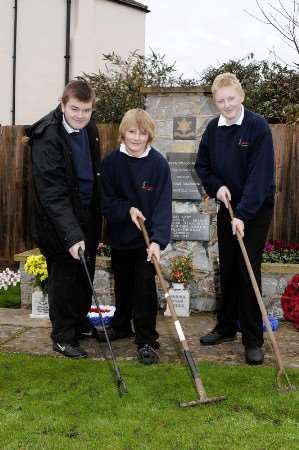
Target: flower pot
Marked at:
40, 305
178, 286
181, 301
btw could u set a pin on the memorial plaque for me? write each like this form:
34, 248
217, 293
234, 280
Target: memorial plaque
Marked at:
190, 227
181, 303
185, 183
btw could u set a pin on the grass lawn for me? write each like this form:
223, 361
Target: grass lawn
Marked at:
10, 298
59, 404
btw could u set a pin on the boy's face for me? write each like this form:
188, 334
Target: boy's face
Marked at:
136, 141
228, 100
77, 113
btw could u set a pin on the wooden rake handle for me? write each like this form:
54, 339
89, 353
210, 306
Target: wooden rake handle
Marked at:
157, 268
258, 297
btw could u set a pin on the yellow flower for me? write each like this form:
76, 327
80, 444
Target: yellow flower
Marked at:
36, 265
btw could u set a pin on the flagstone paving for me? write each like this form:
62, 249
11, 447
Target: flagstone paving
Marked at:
21, 334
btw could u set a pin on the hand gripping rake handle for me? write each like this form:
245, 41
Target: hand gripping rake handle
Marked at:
203, 398
121, 386
281, 372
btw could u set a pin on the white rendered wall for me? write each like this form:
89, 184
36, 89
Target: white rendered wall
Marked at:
121, 29
6, 63
97, 27
40, 58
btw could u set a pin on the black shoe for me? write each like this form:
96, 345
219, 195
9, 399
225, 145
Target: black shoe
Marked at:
254, 355
113, 334
70, 350
214, 338
147, 355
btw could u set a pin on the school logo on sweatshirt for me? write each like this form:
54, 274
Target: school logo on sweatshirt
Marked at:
244, 143
147, 187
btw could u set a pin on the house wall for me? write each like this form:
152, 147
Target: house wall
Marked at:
97, 27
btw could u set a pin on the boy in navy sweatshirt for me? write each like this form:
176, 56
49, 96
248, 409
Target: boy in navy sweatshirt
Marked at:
136, 183
236, 162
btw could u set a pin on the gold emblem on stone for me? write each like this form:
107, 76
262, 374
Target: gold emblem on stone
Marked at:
184, 128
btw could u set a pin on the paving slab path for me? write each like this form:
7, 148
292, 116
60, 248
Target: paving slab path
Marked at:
21, 334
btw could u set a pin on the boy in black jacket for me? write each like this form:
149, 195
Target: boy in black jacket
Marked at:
66, 210
136, 183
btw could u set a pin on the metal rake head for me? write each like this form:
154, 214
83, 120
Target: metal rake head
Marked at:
203, 401
121, 386
283, 382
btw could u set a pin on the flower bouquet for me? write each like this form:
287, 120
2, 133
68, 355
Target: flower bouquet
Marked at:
107, 313
9, 278
36, 265
10, 288
181, 269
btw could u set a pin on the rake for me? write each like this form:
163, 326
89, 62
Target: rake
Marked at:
203, 398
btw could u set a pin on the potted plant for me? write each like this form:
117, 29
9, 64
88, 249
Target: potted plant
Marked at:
180, 274
36, 265
181, 270
277, 251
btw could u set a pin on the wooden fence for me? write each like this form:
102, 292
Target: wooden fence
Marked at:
15, 186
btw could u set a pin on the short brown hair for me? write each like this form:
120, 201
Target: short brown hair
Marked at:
79, 89
226, 79
137, 118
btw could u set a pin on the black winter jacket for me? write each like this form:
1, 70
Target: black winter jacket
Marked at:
58, 217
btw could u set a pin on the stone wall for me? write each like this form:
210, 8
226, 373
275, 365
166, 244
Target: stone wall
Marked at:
275, 278
194, 108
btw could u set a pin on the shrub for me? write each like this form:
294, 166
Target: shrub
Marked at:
272, 90
118, 88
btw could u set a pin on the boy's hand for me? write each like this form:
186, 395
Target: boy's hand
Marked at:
238, 225
154, 249
223, 194
74, 249
135, 213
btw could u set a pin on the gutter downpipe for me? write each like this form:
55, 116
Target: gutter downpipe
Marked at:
14, 67
67, 42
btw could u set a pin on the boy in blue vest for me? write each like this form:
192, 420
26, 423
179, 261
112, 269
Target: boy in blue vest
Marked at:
136, 184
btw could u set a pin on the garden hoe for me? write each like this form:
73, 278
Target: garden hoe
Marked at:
203, 398
121, 386
281, 372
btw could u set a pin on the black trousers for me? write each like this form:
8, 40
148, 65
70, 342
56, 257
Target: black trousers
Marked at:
135, 295
238, 298
69, 294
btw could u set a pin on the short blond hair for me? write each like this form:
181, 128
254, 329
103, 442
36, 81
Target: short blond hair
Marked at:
226, 79
137, 118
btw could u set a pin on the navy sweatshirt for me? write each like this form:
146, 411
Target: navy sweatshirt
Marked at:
144, 183
83, 166
240, 157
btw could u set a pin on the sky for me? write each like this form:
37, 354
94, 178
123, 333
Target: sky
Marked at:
197, 34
